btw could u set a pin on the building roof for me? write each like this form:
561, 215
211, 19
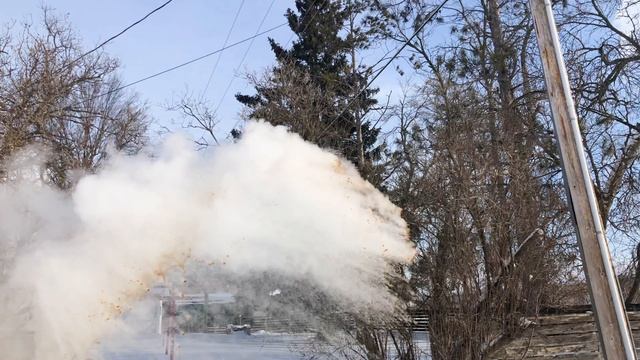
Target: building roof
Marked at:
560, 336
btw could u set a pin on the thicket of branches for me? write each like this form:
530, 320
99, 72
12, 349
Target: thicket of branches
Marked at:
66, 103
467, 150
469, 153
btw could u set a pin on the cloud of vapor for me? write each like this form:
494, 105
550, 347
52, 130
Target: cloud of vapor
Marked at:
72, 264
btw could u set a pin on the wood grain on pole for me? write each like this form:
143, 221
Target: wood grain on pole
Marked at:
611, 319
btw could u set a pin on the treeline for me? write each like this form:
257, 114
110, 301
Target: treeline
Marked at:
62, 101
467, 149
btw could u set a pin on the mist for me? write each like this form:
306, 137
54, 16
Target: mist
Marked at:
72, 264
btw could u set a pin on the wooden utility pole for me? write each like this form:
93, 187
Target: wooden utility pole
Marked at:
611, 318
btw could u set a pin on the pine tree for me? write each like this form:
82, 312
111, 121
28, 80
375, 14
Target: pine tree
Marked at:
316, 88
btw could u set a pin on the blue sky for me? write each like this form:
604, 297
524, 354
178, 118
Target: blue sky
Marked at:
183, 30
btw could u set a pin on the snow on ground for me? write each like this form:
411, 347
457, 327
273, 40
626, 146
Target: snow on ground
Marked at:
237, 346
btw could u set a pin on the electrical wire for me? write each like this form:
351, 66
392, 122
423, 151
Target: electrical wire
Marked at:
289, 41
123, 31
244, 57
427, 20
186, 63
226, 40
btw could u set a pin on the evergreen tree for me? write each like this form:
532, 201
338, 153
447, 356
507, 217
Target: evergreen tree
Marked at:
316, 88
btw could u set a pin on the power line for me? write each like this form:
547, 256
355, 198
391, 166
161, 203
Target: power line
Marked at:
123, 31
291, 37
244, 57
186, 63
427, 20
215, 66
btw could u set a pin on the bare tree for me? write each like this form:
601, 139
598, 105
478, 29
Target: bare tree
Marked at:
53, 96
197, 116
477, 174
603, 43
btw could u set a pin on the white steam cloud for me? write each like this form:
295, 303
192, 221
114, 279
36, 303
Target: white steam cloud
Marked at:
72, 264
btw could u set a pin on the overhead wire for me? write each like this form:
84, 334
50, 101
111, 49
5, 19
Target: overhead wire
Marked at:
123, 31
226, 40
239, 42
290, 38
424, 23
244, 57
250, 38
